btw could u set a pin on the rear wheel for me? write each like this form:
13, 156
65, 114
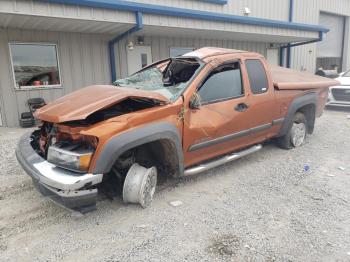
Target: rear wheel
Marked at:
296, 135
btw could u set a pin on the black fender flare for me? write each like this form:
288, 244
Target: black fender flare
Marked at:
120, 143
297, 103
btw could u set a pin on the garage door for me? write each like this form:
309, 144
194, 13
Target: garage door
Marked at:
329, 51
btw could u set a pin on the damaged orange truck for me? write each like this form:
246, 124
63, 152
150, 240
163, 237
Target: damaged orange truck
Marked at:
177, 117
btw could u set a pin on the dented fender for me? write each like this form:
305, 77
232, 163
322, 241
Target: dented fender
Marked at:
120, 143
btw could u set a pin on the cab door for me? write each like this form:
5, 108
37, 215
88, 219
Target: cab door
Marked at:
263, 110
221, 123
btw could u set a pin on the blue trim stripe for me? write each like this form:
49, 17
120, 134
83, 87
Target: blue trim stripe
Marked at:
111, 43
319, 39
291, 10
190, 13
290, 19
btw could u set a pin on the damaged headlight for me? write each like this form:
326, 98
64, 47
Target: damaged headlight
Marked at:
77, 160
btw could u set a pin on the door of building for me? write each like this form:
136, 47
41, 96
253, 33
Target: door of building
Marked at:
138, 57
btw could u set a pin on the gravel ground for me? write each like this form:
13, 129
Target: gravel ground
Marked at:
264, 207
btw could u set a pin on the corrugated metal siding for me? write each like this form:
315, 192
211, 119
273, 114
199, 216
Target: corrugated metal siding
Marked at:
271, 9
83, 61
166, 21
42, 8
161, 48
308, 11
304, 57
340, 7
258, 9
262, 9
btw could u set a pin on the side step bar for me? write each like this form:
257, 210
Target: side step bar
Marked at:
217, 162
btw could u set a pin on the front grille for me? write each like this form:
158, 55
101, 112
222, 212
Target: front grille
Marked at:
341, 94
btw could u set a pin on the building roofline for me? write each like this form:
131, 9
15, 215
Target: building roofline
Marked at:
190, 13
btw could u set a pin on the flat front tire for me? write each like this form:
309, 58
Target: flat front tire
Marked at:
296, 134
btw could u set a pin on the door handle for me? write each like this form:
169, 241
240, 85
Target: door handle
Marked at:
241, 107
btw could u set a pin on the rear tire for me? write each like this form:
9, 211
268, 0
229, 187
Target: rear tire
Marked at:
296, 134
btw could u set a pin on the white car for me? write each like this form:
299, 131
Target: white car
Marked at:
340, 95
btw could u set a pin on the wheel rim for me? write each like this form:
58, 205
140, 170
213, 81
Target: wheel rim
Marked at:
149, 188
139, 185
298, 134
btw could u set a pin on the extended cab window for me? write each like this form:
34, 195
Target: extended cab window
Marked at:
257, 76
223, 83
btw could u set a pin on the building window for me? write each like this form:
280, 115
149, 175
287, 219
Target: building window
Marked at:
143, 60
35, 65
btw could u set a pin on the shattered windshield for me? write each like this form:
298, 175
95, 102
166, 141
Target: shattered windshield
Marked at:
168, 78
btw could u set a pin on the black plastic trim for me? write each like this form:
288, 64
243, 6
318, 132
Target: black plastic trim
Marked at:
120, 143
82, 201
277, 121
229, 137
297, 103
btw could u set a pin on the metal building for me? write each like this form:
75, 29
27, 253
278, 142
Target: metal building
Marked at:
49, 48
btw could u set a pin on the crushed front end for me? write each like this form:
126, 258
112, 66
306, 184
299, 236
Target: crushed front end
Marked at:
57, 157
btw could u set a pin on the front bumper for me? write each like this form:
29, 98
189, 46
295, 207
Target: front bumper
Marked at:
342, 101
337, 103
67, 188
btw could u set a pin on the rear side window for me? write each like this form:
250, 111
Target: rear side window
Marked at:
222, 84
257, 76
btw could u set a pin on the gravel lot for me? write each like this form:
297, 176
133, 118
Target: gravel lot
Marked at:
264, 207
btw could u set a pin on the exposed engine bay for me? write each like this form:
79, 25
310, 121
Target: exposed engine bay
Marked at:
50, 134
126, 106
66, 135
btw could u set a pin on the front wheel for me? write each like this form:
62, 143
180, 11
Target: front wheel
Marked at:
140, 185
296, 135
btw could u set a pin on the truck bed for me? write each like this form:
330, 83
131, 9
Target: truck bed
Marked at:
288, 79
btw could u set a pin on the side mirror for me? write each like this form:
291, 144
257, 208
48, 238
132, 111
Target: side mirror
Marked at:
195, 101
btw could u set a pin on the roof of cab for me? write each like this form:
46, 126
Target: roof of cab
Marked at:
206, 53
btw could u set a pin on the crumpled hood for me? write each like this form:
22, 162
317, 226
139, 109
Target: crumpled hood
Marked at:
80, 104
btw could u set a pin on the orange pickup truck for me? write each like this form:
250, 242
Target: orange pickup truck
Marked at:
177, 117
